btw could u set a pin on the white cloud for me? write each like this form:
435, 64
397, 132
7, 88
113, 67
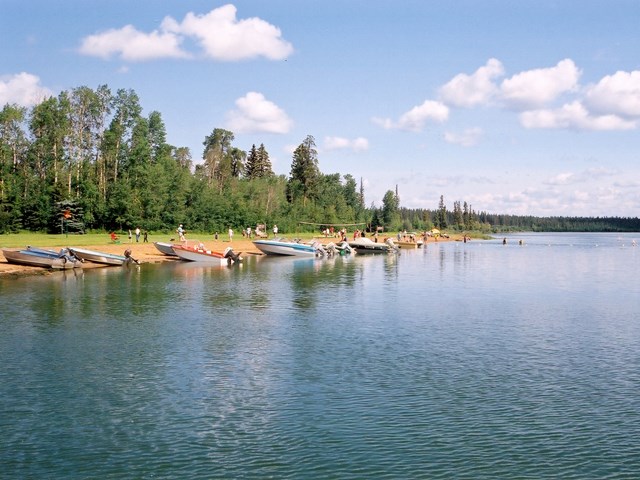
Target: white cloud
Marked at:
617, 94
538, 87
415, 119
468, 138
359, 144
255, 114
573, 116
23, 89
132, 45
219, 33
472, 90
223, 37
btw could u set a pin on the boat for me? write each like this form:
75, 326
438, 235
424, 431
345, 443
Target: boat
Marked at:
35, 259
198, 253
71, 260
366, 245
288, 248
102, 257
165, 248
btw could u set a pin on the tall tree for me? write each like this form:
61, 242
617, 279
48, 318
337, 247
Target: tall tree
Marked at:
390, 206
441, 214
304, 170
217, 164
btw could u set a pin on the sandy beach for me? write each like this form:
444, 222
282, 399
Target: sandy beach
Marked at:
144, 253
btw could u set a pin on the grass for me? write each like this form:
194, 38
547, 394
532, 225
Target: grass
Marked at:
22, 239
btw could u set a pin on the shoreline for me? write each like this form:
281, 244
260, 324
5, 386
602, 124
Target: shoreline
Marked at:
148, 253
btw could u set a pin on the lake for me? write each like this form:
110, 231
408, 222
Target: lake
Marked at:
460, 360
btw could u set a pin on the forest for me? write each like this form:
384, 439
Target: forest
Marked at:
88, 160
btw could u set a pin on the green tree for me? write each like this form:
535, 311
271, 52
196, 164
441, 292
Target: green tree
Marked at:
305, 173
441, 214
390, 206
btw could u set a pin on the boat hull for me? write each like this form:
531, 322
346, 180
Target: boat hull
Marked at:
32, 259
291, 249
165, 248
99, 257
203, 256
364, 245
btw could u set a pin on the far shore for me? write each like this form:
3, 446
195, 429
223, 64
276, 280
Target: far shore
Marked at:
148, 253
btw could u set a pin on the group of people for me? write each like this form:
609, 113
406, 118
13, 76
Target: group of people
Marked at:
137, 232
245, 233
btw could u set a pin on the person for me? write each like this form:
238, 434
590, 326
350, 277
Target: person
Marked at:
215, 235
230, 234
129, 235
504, 241
137, 234
114, 237
275, 230
180, 231
146, 237
249, 232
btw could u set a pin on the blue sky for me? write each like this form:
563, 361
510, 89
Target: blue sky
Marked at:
527, 107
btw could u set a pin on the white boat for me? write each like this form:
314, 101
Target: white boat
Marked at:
34, 259
289, 248
165, 248
101, 257
366, 245
198, 253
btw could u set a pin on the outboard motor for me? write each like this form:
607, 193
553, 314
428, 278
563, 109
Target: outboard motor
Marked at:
231, 256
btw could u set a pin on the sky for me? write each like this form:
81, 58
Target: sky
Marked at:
523, 108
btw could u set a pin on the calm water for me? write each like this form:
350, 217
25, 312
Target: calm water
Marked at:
476, 360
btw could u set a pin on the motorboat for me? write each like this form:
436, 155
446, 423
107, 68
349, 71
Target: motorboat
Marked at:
165, 248
198, 253
288, 248
36, 259
71, 260
366, 245
102, 257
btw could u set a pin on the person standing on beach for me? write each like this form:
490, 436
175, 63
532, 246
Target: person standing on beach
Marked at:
129, 235
230, 234
180, 232
137, 234
275, 230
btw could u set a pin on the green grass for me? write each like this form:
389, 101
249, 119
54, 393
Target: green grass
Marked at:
22, 239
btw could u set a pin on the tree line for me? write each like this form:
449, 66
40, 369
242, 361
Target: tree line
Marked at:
88, 159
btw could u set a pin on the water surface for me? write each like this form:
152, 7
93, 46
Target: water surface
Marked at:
476, 360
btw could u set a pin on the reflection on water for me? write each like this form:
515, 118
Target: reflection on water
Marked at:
476, 360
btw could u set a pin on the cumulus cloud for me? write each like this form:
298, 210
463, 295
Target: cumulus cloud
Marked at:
538, 87
256, 114
472, 90
573, 116
223, 37
415, 119
219, 33
23, 89
132, 45
467, 138
359, 144
617, 94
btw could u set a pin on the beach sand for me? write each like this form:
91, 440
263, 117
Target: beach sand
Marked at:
144, 253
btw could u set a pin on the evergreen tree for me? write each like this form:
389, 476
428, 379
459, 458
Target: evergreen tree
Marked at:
441, 214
